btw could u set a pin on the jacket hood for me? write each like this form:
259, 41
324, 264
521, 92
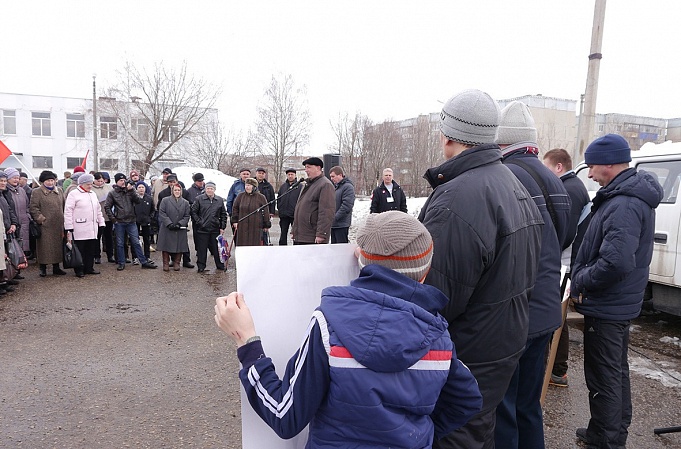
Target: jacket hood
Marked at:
639, 184
473, 157
386, 320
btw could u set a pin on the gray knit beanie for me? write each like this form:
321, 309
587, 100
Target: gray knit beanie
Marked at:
397, 241
470, 117
84, 178
517, 125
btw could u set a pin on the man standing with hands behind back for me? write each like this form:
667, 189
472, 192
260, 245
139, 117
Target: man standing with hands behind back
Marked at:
286, 204
316, 206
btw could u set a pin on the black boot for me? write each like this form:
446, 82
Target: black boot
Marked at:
42, 270
57, 271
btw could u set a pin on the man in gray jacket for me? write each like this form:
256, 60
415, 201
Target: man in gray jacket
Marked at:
345, 201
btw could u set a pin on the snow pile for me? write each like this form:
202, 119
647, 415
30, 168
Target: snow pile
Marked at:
222, 181
650, 370
362, 206
671, 340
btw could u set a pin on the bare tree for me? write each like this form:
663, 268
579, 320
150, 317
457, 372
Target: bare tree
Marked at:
423, 152
283, 122
220, 149
350, 145
159, 108
382, 148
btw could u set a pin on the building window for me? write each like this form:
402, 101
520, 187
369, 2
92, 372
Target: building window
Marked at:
75, 125
72, 162
9, 122
42, 161
108, 128
41, 124
169, 131
108, 164
137, 164
141, 128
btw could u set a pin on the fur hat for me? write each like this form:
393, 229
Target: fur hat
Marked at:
252, 181
470, 117
398, 241
607, 150
516, 125
45, 175
2, 174
85, 178
11, 172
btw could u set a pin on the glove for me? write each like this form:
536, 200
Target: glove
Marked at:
173, 227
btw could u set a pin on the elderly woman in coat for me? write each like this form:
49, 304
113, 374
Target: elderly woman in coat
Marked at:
249, 229
47, 209
173, 213
82, 220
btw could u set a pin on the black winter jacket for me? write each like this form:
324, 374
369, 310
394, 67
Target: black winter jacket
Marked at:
379, 199
209, 214
286, 202
612, 266
545, 310
266, 189
120, 205
487, 236
345, 201
145, 210
193, 192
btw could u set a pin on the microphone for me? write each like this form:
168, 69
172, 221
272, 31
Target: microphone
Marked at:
297, 183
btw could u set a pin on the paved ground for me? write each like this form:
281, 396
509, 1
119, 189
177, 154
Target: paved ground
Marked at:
134, 359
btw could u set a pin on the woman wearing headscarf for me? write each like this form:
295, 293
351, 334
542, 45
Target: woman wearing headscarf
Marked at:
47, 209
9, 225
173, 213
249, 231
82, 220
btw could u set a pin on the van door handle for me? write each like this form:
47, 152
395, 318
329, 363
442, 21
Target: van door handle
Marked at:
660, 237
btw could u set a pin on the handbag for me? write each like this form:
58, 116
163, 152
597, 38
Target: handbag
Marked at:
34, 229
10, 270
72, 256
16, 253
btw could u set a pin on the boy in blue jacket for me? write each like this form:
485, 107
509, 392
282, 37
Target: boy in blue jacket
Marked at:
377, 367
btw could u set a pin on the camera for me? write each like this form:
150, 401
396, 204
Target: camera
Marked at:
130, 182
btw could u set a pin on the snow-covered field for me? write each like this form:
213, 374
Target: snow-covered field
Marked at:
362, 205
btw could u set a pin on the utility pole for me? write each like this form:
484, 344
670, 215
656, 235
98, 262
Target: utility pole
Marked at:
95, 155
588, 121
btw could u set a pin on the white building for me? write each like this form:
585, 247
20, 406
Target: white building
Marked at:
56, 133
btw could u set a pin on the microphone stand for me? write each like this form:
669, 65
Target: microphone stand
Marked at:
290, 189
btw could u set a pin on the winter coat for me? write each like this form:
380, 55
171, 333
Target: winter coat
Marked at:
145, 211
234, 191
579, 198
21, 209
249, 231
377, 369
286, 202
8, 215
612, 266
209, 214
120, 205
545, 309
3, 265
102, 192
345, 201
315, 211
267, 190
192, 192
380, 196
487, 236
165, 193
47, 209
83, 214
173, 211
156, 188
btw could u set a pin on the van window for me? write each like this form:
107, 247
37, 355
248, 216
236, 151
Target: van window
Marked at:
668, 174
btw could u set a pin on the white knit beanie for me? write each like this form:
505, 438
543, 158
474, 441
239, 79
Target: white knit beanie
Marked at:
398, 241
517, 125
470, 117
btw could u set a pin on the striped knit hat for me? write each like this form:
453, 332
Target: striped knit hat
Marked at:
397, 241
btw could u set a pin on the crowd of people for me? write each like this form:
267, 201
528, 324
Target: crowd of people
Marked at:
486, 251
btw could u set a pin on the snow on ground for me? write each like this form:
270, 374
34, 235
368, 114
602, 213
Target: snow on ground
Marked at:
362, 205
222, 181
651, 370
671, 340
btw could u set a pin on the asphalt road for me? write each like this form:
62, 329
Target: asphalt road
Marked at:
134, 359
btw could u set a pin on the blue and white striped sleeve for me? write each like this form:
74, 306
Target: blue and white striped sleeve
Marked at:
287, 405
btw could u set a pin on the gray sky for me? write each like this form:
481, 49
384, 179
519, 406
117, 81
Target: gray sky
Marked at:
386, 59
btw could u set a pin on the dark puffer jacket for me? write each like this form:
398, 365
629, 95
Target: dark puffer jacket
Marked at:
487, 236
380, 203
267, 190
209, 214
345, 201
287, 198
545, 315
120, 205
611, 269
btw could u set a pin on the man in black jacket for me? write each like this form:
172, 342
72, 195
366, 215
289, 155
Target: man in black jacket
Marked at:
265, 188
388, 195
519, 421
487, 235
210, 220
560, 163
286, 203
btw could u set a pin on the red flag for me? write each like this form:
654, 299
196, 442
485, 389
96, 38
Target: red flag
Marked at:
4, 152
85, 159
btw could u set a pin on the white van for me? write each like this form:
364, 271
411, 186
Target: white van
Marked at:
663, 160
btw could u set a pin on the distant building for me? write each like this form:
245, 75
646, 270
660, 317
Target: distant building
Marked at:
674, 129
635, 129
56, 133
